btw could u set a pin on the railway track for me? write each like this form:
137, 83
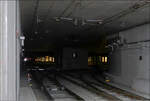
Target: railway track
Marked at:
121, 94
57, 91
117, 90
65, 90
54, 89
92, 89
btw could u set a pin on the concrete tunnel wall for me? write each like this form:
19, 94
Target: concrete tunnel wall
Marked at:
130, 65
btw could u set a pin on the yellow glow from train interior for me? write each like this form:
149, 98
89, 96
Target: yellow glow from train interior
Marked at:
105, 59
89, 59
46, 58
53, 59
43, 59
36, 60
50, 59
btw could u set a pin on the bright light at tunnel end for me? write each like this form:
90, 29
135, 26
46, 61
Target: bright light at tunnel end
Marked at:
25, 59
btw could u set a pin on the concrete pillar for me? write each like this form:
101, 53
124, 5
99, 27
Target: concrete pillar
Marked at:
18, 46
8, 53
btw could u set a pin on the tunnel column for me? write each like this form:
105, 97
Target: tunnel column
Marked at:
8, 53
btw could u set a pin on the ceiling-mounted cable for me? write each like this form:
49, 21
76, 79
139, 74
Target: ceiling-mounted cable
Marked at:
66, 9
131, 9
123, 13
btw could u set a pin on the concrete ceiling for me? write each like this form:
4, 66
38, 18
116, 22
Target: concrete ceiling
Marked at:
48, 28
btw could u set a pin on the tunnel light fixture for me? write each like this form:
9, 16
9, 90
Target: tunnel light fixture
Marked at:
74, 55
22, 38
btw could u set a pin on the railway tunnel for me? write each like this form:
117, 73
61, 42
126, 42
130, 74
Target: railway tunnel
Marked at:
75, 50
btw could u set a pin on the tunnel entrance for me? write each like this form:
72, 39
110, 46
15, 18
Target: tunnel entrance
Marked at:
75, 50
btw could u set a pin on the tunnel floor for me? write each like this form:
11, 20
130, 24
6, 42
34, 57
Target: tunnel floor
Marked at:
26, 92
73, 86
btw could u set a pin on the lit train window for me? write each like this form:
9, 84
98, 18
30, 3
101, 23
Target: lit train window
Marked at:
46, 58
43, 59
74, 55
50, 59
104, 59
89, 60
